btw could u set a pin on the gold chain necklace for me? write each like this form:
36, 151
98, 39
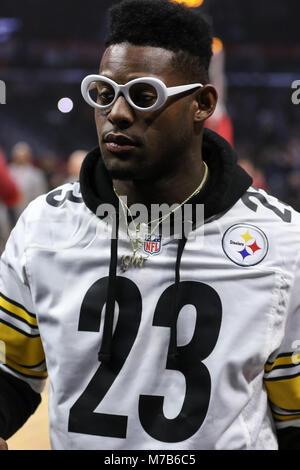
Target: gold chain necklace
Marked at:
127, 261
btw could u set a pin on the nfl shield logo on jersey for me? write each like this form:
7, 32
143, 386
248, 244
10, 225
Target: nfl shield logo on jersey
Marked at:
152, 244
245, 244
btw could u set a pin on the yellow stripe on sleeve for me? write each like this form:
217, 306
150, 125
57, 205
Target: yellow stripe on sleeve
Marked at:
292, 359
17, 311
25, 371
21, 348
285, 418
284, 392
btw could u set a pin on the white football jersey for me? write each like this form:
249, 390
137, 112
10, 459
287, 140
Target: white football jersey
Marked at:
238, 328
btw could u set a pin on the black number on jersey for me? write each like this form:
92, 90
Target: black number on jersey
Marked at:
82, 418
285, 215
69, 195
208, 321
208, 307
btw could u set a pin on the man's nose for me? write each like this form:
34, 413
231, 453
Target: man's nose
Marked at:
121, 113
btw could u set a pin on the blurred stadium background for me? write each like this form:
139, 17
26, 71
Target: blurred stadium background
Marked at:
48, 46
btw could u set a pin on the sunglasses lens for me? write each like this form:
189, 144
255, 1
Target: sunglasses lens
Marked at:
143, 95
101, 93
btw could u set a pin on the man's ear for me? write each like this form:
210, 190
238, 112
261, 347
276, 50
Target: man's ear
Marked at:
206, 98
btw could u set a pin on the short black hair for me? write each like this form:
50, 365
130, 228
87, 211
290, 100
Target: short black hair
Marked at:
165, 24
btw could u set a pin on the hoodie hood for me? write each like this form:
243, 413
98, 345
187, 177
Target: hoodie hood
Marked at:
226, 184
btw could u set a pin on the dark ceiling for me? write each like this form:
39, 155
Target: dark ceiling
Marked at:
269, 21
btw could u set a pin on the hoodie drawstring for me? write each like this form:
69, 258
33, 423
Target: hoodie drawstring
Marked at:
173, 352
104, 353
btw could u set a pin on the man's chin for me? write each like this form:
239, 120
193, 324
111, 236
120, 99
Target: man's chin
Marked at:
118, 169
133, 170
120, 172
121, 175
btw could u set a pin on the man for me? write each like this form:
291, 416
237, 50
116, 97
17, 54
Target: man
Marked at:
10, 196
154, 341
29, 178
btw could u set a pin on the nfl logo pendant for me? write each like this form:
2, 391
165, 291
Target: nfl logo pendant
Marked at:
152, 244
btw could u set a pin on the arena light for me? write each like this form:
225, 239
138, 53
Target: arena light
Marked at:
8, 26
65, 105
217, 45
190, 3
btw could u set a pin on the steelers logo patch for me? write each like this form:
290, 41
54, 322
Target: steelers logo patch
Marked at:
245, 245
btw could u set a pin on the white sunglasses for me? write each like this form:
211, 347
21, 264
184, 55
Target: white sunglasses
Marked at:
143, 94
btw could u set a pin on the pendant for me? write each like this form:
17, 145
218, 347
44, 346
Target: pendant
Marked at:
128, 261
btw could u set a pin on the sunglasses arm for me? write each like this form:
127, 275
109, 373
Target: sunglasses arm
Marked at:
174, 90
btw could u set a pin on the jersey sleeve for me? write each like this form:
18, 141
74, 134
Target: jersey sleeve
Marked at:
21, 349
282, 370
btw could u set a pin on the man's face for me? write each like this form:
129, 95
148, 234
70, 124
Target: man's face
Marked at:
157, 141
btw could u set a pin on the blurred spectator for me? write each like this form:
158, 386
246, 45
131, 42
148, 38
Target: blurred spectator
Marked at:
74, 164
10, 196
259, 180
54, 169
9, 192
29, 179
220, 122
293, 195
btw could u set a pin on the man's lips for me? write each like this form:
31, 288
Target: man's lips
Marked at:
119, 142
115, 148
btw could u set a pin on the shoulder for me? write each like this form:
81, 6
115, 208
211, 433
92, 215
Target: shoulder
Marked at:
277, 221
64, 194
258, 205
55, 215
63, 198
